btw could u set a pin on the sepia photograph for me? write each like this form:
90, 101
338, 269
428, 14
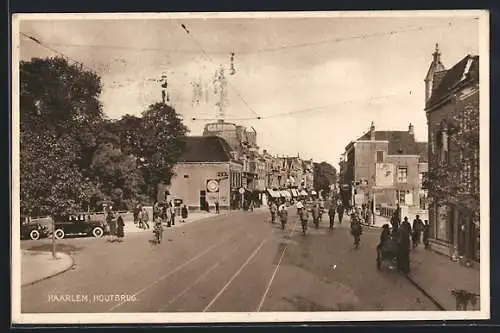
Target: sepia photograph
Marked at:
250, 167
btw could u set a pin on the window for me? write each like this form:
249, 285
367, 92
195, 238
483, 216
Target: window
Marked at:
380, 156
402, 175
401, 197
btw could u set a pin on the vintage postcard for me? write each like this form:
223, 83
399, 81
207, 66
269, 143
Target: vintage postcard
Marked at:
250, 167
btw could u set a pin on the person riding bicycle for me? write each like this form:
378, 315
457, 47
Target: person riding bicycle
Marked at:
158, 229
356, 229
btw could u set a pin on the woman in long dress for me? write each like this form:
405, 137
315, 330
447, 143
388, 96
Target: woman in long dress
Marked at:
120, 228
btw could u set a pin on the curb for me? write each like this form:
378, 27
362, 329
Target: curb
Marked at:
423, 291
70, 267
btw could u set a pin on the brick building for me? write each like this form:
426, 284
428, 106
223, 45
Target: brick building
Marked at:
387, 166
452, 110
207, 161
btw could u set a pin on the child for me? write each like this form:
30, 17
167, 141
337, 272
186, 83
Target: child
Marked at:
426, 234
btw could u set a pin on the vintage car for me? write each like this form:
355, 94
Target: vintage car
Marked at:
33, 231
79, 224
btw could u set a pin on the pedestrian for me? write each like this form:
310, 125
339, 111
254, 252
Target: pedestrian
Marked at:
283, 217
395, 222
426, 234
315, 215
404, 233
111, 221
168, 214
217, 207
184, 213
136, 215
331, 214
274, 210
145, 218
340, 211
299, 206
120, 232
304, 219
417, 231
173, 212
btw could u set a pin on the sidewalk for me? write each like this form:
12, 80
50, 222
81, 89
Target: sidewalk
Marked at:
379, 222
38, 266
437, 276
130, 227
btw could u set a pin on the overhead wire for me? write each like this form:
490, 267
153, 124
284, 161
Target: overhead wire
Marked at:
48, 47
269, 49
306, 110
188, 32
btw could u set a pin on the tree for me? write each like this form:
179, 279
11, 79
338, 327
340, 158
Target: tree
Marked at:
453, 177
162, 143
324, 175
59, 113
117, 177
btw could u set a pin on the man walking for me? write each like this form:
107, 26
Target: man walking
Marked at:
340, 211
404, 246
417, 231
331, 214
273, 210
217, 208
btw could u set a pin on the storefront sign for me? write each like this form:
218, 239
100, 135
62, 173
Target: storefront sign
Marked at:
212, 185
384, 174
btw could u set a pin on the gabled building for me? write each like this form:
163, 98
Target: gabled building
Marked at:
452, 110
206, 173
388, 166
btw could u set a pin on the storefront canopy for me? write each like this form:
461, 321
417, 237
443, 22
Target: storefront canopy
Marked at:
295, 193
286, 194
274, 194
303, 192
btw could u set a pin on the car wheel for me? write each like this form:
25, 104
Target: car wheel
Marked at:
97, 232
59, 234
34, 234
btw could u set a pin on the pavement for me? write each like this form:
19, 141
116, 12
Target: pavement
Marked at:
237, 263
131, 227
37, 266
436, 275
439, 276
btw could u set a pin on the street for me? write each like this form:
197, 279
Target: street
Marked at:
232, 263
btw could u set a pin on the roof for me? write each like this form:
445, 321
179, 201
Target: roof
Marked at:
400, 143
468, 67
206, 149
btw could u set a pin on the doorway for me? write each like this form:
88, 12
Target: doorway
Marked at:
203, 200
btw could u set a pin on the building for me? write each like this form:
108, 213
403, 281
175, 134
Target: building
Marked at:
388, 166
452, 110
243, 144
206, 172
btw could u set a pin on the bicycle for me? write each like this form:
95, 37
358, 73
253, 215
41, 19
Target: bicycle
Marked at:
158, 233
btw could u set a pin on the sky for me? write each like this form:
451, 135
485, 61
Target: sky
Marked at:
322, 66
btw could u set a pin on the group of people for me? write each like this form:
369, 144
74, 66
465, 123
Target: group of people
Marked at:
406, 237
336, 208
304, 211
115, 224
278, 212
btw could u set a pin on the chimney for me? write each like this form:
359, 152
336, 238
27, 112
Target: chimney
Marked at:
372, 131
411, 129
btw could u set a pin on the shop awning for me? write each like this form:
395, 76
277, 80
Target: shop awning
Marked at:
274, 194
287, 193
303, 192
295, 193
